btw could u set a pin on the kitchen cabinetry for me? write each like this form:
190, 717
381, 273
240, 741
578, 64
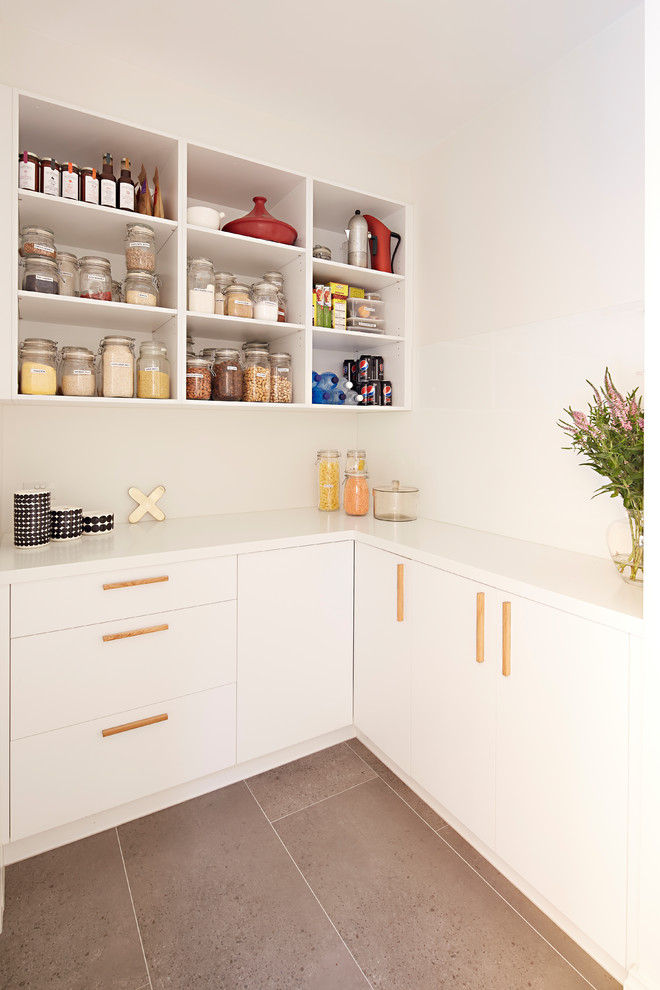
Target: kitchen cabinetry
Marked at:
194, 175
295, 657
382, 645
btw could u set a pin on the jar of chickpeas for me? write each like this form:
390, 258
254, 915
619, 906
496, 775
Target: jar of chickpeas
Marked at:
327, 471
256, 376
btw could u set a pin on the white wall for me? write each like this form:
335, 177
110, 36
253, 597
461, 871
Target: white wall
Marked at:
529, 281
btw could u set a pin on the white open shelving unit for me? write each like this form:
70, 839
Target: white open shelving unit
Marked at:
195, 175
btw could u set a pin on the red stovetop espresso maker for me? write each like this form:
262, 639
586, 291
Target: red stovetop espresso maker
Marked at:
380, 243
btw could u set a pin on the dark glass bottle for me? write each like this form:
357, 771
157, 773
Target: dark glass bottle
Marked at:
108, 182
125, 188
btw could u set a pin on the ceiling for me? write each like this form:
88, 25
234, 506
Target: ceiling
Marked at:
418, 69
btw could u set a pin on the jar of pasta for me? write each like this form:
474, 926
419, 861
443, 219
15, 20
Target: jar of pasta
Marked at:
67, 265
281, 389
77, 371
238, 301
327, 473
153, 371
227, 385
117, 366
141, 288
256, 376
37, 370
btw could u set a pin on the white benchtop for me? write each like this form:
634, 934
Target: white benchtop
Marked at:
584, 585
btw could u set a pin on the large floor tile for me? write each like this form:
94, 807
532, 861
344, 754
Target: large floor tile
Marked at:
69, 922
306, 781
412, 912
221, 906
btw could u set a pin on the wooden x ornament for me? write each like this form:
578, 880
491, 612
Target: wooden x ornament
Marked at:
146, 503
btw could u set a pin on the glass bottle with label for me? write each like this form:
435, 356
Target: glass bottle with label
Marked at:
108, 183
49, 171
327, 476
117, 366
70, 180
125, 187
37, 373
153, 371
77, 371
89, 185
67, 265
95, 278
256, 376
201, 286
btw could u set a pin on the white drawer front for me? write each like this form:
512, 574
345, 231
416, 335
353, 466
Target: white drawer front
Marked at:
60, 776
61, 678
42, 606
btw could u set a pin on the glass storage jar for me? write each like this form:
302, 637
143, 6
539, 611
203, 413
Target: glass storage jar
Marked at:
278, 281
198, 378
356, 493
95, 278
67, 266
256, 376
281, 388
201, 286
49, 172
117, 292
41, 275
140, 248
37, 370
222, 280
208, 353
77, 371
141, 288
327, 475
356, 460
264, 297
238, 301
117, 366
37, 240
153, 371
227, 385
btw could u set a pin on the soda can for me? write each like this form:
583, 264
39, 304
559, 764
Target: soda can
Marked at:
350, 370
368, 393
364, 368
377, 368
377, 393
386, 393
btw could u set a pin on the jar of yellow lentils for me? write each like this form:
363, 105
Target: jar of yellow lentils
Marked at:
153, 371
327, 470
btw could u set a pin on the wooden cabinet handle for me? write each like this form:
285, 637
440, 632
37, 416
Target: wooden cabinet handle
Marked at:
399, 592
506, 639
111, 637
127, 726
134, 584
481, 613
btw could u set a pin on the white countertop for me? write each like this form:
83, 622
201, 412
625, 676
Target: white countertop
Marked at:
577, 583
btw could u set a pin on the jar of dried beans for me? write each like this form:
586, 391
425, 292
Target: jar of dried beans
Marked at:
227, 385
356, 493
117, 367
281, 389
256, 377
95, 278
198, 378
140, 247
77, 372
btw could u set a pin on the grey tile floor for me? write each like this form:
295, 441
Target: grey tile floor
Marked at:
325, 874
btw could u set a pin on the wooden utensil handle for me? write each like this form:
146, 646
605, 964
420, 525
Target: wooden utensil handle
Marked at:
399, 592
127, 726
506, 639
111, 637
481, 614
134, 584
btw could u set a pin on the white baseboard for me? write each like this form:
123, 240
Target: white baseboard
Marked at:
635, 982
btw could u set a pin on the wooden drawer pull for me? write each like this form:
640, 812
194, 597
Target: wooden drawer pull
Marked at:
127, 726
133, 584
134, 632
481, 612
399, 592
506, 639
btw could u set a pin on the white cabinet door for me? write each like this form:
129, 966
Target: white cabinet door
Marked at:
382, 652
453, 692
295, 648
562, 774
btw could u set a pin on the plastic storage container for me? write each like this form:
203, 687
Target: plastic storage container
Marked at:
37, 370
153, 371
117, 366
256, 376
41, 275
227, 383
140, 248
198, 378
281, 387
327, 473
395, 502
95, 278
77, 371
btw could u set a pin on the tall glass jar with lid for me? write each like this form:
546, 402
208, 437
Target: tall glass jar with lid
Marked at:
37, 367
281, 388
327, 477
278, 281
140, 247
67, 266
95, 278
222, 281
264, 297
37, 240
77, 371
40, 275
201, 286
227, 383
141, 288
198, 377
153, 371
117, 366
256, 376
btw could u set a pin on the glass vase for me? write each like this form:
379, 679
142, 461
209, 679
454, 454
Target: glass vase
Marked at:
625, 540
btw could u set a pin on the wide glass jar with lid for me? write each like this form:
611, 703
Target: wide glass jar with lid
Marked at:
37, 240
227, 385
41, 275
95, 278
117, 366
67, 266
77, 371
201, 286
153, 371
198, 378
281, 388
141, 288
256, 376
278, 281
140, 247
238, 301
327, 477
222, 281
264, 297
37, 368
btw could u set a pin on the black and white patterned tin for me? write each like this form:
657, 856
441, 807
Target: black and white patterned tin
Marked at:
94, 521
66, 522
31, 518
